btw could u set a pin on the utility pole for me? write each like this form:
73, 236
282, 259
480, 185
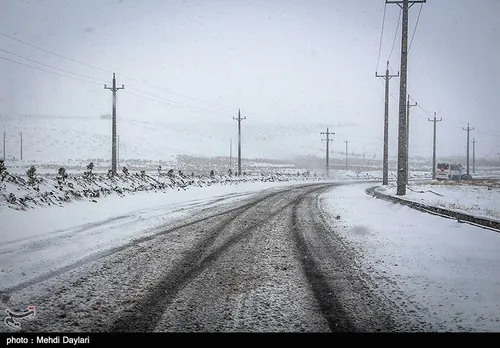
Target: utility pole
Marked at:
468, 129
327, 149
474, 155
346, 142
239, 140
113, 89
401, 179
408, 106
385, 170
21, 145
5, 159
118, 150
231, 155
434, 146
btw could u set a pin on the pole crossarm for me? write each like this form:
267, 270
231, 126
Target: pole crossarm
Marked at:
410, 3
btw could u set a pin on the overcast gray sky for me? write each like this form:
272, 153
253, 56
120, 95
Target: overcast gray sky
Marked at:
279, 61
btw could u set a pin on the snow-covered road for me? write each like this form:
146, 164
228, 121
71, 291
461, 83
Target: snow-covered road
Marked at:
40, 243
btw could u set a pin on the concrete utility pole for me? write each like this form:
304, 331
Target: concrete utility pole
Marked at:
21, 145
474, 155
113, 89
434, 146
468, 129
402, 168
5, 159
239, 139
327, 150
408, 106
346, 142
385, 170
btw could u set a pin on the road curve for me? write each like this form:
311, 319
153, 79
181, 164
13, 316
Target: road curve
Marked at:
269, 263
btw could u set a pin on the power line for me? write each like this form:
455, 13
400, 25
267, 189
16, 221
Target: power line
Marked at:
174, 93
105, 70
49, 66
416, 25
53, 53
167, 101
170, 102
177, 104
48, 71
395, 34
381, 36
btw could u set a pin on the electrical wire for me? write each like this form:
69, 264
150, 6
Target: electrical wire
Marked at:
395, 35
53, 53
381, 36
416, 25
50, 66
48, 71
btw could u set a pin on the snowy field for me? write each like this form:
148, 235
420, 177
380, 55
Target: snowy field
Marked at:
479, 198
445, 273
66, 140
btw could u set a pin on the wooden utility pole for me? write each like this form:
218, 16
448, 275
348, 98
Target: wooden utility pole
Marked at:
385, 166
113, 89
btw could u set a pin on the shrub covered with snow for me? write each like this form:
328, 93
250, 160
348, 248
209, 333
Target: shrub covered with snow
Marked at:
17, 193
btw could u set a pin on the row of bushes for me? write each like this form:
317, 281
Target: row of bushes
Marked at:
62, 175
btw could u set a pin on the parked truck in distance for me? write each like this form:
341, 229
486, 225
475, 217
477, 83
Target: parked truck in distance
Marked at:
449, 171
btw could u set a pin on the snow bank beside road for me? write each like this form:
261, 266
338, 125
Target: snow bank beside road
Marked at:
441, 272
478, 198
22, 193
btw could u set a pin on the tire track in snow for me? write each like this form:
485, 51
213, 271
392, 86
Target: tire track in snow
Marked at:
102, 254
146, 313
339, 286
